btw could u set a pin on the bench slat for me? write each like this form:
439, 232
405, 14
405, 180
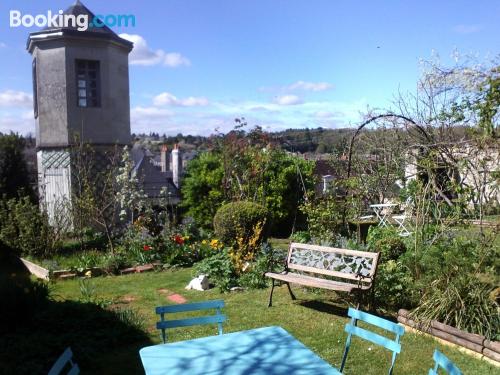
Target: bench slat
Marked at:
315, 282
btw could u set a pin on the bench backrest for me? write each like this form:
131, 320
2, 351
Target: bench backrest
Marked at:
218, 318
330, 261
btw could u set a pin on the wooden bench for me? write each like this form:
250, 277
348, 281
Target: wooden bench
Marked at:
330, 268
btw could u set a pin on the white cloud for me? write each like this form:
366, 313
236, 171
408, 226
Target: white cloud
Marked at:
287, 100
323, 114
167, 99
12, 98
310, 86
142, 54
466, 29
21, 122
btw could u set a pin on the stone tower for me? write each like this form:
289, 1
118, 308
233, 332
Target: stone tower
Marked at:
80, 94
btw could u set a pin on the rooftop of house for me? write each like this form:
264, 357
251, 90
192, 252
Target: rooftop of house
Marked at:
153, 180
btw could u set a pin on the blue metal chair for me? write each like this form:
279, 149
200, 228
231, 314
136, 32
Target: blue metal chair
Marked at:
441, 361
65, 360
352, 329
218, 318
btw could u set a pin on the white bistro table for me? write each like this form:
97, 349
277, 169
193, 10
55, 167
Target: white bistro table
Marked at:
383, 210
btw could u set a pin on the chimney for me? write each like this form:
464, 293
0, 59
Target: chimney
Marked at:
163, 158
176, 166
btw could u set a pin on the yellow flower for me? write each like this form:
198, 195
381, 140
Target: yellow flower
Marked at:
88, 273
204, 242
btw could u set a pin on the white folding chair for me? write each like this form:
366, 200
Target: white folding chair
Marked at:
403, 219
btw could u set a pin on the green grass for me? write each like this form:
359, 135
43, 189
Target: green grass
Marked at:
313, 319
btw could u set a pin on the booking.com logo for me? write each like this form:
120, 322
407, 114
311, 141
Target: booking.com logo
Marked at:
81, 22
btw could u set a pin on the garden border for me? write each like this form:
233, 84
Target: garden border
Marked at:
471, 343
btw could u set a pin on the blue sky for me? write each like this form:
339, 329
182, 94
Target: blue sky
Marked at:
281, 64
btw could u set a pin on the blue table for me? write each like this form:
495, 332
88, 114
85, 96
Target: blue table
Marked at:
265, 351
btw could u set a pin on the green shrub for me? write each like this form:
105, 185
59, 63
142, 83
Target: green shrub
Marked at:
462, 301
324, 219
219, 269
301, 237
387, 241
238, 218
394, 286
23, 226
242, 226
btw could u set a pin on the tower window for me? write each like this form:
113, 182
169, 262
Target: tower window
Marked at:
35, 89
88, 83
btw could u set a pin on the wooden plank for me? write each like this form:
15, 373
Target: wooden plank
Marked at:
442, 335
491, 354
314, 282
342, 275
477, 339
36, 270
492, 345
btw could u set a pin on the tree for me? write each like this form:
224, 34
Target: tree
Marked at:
202, 192
14, 178
247, 166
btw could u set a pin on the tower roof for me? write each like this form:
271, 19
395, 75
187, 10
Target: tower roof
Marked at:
77, 9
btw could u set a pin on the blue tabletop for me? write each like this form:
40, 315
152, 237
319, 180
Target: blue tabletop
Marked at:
270, 350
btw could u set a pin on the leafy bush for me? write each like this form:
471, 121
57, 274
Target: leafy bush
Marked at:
219, 269
241, 225
394, 286
324, 219
268, 259
301, 237
23, 226
457, 276
137, 244
462, 301
237, 218
387, 241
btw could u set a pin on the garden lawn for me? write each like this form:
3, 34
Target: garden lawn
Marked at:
313, 319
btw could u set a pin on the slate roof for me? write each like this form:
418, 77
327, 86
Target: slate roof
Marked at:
152, 178
72, 30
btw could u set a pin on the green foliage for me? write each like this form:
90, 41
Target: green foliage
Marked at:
324, 218
246, 166
241, 225
14, 176
201, 188
301, 237
266, 260
23, 226
137, 244
238, 219
463, 301
219, 269
394, 286
387, 241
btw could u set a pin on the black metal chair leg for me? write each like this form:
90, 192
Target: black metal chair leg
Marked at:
290, 291
271, 295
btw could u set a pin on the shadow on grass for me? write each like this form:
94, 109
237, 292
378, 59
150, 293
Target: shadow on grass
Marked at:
325, 307
334, 309
35, 330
